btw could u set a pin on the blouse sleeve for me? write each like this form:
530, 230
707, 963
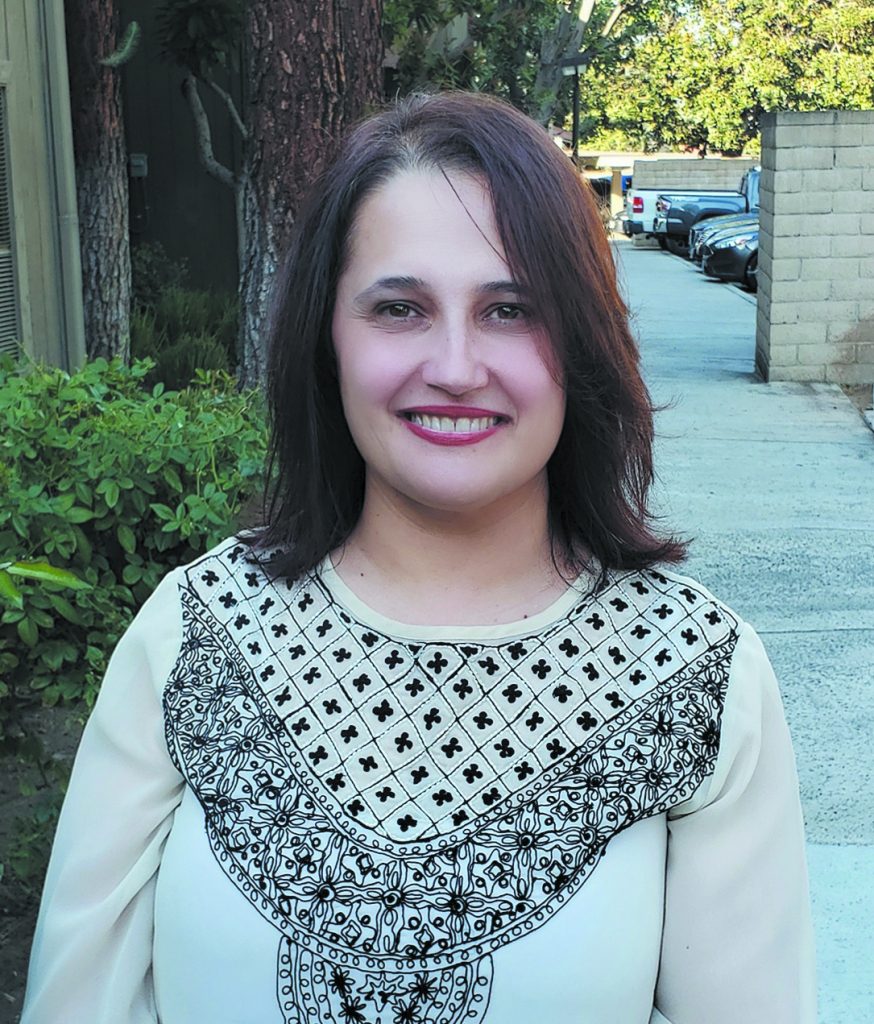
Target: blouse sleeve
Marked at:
92, 950
737, 942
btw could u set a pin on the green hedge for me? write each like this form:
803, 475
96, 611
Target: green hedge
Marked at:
116, 484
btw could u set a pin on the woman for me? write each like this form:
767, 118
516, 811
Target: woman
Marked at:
444, 741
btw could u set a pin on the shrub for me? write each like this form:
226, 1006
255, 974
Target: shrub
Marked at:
182, 330
117, 485
152, 270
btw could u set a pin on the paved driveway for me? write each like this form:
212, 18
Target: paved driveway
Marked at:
775, 483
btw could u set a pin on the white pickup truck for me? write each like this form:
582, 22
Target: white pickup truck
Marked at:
640, 207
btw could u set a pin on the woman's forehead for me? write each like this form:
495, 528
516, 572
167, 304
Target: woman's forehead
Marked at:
426, 222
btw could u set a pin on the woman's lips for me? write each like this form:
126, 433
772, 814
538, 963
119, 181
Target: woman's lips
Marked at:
454, 425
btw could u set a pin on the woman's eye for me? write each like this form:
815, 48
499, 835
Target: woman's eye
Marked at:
507, 312
397, 311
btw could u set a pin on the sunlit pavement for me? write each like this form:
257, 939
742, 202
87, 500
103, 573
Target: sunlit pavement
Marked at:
775, 483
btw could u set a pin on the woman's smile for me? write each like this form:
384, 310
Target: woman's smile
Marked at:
452, 425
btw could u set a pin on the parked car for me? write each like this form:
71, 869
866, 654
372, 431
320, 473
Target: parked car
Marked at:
733, 257
677, 214
704, 230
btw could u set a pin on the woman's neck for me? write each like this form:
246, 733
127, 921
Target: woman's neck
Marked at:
426, 567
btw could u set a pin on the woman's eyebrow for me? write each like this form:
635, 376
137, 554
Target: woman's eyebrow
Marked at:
402, 282
501, 286
399, 282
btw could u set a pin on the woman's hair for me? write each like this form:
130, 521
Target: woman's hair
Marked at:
601, 471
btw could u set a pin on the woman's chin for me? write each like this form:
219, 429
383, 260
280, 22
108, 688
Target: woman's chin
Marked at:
459, 498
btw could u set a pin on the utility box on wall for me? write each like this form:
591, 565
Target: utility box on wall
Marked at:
40, 276
816, 247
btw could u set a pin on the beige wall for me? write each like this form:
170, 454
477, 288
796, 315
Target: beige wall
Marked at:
816, 247
717, 174
33, 71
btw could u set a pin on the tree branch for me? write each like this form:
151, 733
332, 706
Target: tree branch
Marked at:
228, 101
586, 8
203, 134
615, 15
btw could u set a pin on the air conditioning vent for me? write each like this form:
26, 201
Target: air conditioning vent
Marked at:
9, 328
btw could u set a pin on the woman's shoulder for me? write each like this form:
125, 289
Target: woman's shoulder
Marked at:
235, 571
236, 555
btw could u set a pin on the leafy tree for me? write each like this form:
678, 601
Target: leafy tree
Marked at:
509, 48
709, 72
309, 68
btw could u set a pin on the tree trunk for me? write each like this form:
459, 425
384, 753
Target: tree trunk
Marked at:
570, 38
101, 176
313, 67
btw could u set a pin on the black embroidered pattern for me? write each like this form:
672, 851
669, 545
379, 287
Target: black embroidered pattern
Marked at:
402, 811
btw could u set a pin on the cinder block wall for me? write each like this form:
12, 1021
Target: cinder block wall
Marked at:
718, 174
816, 247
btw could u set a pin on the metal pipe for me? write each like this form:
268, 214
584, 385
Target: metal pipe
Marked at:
60, 137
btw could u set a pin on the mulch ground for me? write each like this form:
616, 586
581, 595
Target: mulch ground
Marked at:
59, 730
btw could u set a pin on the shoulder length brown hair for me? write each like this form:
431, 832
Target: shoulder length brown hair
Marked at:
601, 471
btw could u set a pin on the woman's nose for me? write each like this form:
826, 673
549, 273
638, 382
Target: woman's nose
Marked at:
454, 362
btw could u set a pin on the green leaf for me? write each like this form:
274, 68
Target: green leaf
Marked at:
63, 607
163, 512
77, 514
8, 591
111, 493
172, 478
28, 632
83, 544
41, 618
83, 493
132, 574
126, 538
48, 573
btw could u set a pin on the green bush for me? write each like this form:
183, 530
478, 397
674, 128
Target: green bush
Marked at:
117, 485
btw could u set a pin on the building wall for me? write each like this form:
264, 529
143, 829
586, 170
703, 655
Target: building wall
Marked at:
41, 183
816, 247
714, 173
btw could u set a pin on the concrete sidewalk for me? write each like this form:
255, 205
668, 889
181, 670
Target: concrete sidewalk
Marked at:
775, 483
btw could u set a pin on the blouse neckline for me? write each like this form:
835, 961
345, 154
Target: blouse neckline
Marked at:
368, 616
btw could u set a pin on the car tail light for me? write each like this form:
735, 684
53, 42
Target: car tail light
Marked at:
637, 204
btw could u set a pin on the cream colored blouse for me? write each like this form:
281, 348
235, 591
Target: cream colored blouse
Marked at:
287, 808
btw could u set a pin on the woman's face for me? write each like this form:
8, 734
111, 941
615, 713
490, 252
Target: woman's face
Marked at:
441, 359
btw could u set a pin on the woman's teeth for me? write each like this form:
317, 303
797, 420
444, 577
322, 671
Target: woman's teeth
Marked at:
448, 425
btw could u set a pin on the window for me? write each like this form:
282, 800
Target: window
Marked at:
9, 327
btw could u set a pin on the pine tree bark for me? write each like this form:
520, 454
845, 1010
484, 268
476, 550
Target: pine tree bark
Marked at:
313, 67
101, 176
